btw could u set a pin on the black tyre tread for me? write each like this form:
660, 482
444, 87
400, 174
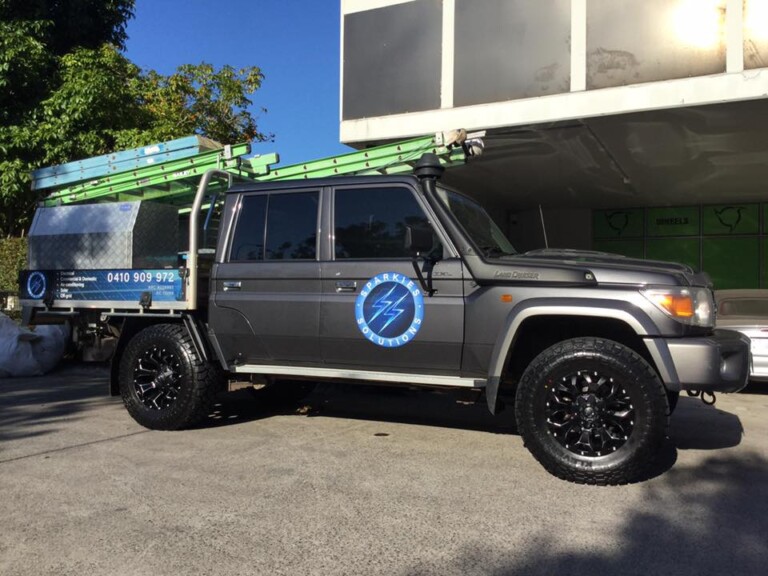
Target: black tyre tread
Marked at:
205, 378
572, 469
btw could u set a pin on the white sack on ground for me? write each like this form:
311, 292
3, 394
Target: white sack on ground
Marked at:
24, 352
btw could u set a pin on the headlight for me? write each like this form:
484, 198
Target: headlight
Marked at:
693, 306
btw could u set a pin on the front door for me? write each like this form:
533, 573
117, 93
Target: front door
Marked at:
375, 314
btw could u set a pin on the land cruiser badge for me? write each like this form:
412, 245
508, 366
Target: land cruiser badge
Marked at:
389, 309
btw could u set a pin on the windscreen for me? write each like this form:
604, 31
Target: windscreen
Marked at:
477, 224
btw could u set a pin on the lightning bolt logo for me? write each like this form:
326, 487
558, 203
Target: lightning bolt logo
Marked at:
384, 304
386, 307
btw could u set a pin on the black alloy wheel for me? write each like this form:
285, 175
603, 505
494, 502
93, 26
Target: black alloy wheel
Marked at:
157, 378
590, 414
592, 411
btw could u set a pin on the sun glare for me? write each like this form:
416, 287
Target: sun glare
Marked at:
699, 23
756, 19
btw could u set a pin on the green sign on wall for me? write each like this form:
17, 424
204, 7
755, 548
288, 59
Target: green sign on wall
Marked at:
729, 219
728, 241
765, 218
683, 250
732, 262
680, 221
764, 263
618, 223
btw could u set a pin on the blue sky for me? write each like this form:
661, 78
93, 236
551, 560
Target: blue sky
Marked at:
294, 42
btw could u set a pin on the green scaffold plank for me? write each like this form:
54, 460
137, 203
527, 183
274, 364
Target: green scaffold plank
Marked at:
176, 181
134, 182
385, 159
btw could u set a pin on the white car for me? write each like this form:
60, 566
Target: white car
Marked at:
747, 312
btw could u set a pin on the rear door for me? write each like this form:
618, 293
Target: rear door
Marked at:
375, 314
266, 301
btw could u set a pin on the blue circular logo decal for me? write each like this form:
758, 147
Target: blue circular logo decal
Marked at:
389, 309
36, 285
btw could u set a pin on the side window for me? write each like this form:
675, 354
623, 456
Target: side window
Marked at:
370, 222
276, 227
292, 226
248, 242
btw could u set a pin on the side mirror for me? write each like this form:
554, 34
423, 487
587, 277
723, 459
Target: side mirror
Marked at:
418, 241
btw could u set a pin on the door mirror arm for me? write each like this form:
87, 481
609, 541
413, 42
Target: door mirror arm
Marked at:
426, 284
419, 243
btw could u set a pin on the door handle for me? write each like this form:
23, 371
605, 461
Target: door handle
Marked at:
232, 285
346, 286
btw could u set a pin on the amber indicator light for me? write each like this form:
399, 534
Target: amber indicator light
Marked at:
681, 306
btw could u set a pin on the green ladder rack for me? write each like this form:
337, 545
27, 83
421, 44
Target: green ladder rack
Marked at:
176, 181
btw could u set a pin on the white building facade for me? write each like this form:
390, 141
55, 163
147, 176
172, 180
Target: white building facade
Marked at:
637, 126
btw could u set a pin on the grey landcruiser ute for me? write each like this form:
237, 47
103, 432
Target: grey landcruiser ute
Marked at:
400, 280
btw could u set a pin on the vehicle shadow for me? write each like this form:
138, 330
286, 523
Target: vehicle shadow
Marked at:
693, 426
444, 409
239, 407
754, 387
33, 406
696, 426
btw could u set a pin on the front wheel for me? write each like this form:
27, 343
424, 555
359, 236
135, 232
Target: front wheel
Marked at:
592, 411
164, 384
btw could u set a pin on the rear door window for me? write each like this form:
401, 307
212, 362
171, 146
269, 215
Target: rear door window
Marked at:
277, 226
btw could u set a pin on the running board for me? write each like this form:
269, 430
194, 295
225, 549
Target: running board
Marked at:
343, 374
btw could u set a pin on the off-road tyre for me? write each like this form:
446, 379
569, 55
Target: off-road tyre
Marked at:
164, 383
592, 411
283, 393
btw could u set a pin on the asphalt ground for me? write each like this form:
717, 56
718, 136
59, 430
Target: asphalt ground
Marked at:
360, 481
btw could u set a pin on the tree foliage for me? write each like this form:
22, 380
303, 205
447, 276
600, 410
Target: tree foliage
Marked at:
199, 98
73, 23
13, 256
68, 92
33, 33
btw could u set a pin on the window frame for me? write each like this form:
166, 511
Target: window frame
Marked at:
449, 250
238, 209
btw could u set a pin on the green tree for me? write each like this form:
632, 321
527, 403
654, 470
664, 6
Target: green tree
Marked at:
68, 92
201, 99
33, 33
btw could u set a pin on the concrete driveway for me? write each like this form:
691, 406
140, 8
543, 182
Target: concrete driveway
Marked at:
360, 481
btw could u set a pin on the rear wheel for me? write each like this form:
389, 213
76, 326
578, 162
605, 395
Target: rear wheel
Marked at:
164, 384
592, 411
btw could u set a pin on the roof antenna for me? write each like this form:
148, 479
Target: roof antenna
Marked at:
543, 227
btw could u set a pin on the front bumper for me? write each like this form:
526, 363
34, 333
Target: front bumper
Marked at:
717, 363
